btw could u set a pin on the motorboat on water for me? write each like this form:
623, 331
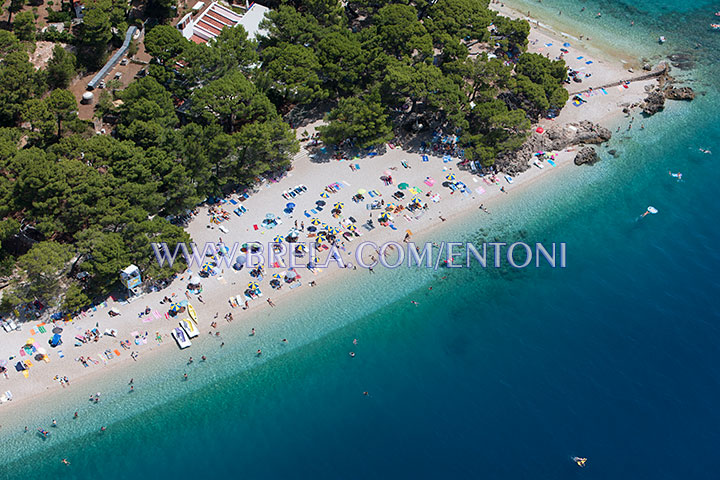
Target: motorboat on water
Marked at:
180, 337
190, 329
661, 39
715, 26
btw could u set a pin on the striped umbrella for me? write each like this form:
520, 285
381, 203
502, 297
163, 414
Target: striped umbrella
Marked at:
321, 238
450, 177
339, 205
253, 286
316, 260
390, 206
416, 201
175, 308
333, 231
384, 216
315, 221
278, 239
300, 248
207, 268
277, 276
324, 195
326, 227
352, 228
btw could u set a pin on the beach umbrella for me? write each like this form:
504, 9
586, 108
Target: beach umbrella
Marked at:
206, 268
352, 228
57, 330
320, 203
450, 177
277, 276
324, 195
403, 186
311, 229
384, 216
223, 249
416, 201
539, 130
175, 308
334, 231
39, 357
300, 248
362, 191
390, 206
315, 221
253, 286
339, 205
566, 44
290, 205
278, 239
316, 260
321, 238
29, 341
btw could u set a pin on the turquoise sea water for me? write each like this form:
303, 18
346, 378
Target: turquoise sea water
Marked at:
495, 374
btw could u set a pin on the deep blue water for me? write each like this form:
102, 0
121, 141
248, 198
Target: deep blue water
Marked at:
495, 374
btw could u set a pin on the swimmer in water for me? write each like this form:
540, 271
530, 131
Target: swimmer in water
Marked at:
65, 461
677, 175
580, 461
705, 150
352, 354
414, 302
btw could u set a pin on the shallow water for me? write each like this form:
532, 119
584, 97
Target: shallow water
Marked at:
496, 373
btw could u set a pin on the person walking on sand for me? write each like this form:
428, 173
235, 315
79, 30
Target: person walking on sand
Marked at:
270, 302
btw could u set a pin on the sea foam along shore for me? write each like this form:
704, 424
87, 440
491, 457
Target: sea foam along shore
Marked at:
43, 392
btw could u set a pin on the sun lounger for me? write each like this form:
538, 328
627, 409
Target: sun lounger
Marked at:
589, 62
425, 158
234, 202
357, 166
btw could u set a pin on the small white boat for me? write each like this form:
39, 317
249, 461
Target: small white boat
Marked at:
189, 328
508, 178
180, 337
661, 39
539, 165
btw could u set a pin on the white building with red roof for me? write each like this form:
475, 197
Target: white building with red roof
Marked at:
203, 24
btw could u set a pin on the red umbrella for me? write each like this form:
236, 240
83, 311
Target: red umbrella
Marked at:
539, 130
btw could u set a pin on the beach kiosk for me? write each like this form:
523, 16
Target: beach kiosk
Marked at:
130, 277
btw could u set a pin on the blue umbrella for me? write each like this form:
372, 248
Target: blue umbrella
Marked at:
290, 205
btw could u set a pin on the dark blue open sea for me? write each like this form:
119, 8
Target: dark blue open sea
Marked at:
495, 374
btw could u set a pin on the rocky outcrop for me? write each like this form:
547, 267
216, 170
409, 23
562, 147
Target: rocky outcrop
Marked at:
681, 93
586, 155
654, 102
556, 137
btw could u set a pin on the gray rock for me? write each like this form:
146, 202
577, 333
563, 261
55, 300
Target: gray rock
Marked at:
681, 93
556, 137
654, 102
586, 155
